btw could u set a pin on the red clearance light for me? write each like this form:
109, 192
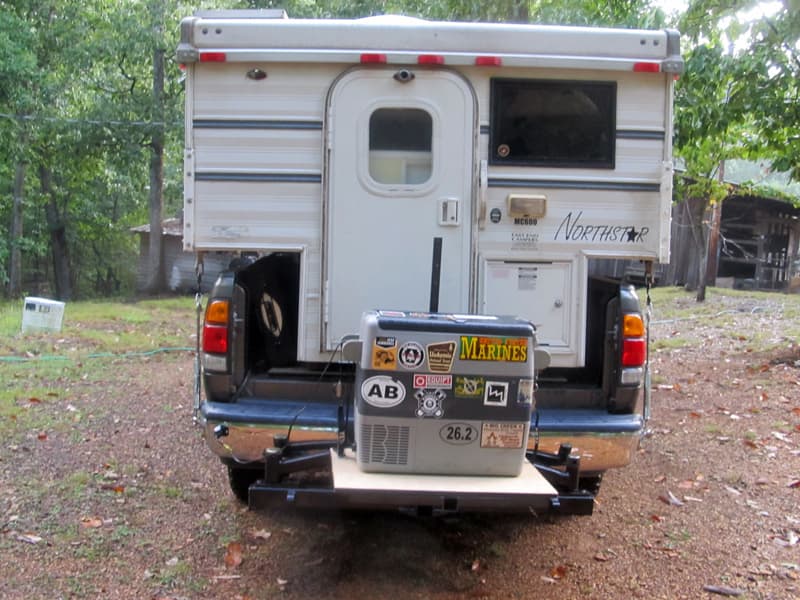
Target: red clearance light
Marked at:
646, 67
215, 339
488, 61
430, 59
373, 59
213, 57
634, 352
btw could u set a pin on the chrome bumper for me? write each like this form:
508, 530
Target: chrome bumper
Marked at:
602, 441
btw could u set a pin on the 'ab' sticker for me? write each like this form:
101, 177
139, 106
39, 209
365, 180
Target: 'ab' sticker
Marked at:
383, 391
411, 355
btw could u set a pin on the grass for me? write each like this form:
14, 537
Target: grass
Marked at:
39, 369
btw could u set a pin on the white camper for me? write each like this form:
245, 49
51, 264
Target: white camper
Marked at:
422, 168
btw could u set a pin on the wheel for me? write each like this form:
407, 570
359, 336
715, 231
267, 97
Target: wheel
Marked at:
240, 480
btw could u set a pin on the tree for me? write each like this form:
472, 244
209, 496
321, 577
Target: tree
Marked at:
737, 99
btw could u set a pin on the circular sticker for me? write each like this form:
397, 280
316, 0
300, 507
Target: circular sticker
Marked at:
411, 355
494, 215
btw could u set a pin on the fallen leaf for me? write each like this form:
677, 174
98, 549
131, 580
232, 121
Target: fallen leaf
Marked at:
733, 491
548, 579
796, 410
476, 565
695, 415
686, 484
282, 582
750, 444
558, 572
34, 400
656, 518
600, 557
795, 484
261, 534
41, 436
233, 555
29, 538
660, 479
92, 522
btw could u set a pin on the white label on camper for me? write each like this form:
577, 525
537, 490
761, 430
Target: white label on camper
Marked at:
382, 391
526, 278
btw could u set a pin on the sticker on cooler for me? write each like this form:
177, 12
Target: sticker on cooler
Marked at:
502, 435
496, 393
458, 434
433, 381
382, 391
384, 353
411, 355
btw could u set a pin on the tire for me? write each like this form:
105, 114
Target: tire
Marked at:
240, 480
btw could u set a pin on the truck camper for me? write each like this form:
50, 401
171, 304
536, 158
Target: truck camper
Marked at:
420, 209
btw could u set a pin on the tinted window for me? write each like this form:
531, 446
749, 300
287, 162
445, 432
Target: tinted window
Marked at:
400, 141
555, 123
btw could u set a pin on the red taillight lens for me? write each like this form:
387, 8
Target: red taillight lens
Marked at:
215, 339
634, 352
215, 327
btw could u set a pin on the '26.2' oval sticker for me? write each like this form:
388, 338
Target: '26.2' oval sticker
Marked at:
458, 434
382, 391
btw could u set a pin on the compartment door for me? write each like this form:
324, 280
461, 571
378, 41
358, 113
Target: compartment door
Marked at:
399, 185
540, 292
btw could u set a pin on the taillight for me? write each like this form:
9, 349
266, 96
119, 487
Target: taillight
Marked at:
634, 345
215, 327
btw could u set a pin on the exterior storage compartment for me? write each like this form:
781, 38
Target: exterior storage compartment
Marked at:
443, 393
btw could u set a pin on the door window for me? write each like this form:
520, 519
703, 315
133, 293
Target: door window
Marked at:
400, 142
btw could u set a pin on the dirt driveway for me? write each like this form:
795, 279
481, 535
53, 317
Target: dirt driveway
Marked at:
107, 491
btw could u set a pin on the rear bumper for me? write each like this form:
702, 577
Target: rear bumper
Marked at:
602, 440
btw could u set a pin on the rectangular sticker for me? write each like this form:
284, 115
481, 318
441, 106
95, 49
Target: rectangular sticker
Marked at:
526, 278
502, 435
440, 356
498, 349
469, 387
496, 393
429, 381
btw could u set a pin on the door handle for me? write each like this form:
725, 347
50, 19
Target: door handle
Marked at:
449, 212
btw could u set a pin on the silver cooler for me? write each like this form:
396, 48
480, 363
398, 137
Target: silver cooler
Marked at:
443, 394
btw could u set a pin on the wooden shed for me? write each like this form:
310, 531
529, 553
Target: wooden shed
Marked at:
178, 264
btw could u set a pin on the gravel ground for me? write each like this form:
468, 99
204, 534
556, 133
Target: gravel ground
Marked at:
106, 490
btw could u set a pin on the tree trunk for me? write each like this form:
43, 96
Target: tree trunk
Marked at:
58, 237
156, 279
15, 262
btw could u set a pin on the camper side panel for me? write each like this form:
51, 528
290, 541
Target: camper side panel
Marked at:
256, 148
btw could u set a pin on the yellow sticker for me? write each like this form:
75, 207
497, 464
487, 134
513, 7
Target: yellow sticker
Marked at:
493, 349
384, 358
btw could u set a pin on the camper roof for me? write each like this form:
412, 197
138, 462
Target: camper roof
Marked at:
239, 36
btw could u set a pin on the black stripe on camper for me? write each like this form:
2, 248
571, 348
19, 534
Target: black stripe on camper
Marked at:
631, 134
622, 134
261, 177
257, 124
617, 186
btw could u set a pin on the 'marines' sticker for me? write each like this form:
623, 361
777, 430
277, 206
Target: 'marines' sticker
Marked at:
493, 349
